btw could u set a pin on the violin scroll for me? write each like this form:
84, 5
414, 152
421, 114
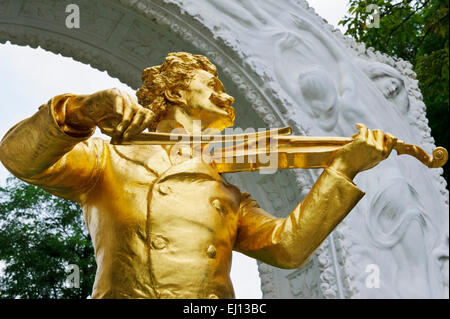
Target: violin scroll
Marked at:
438, 159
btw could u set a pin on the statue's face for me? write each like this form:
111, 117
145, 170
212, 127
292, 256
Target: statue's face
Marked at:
326, 110
205, 99
319, 91
394, 91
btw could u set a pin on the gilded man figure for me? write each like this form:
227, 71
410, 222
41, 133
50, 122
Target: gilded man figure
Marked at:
165, 226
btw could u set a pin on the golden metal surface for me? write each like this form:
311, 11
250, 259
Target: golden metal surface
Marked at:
163, 224
438, 159
290, 151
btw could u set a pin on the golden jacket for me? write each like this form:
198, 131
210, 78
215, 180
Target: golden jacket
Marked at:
162, 227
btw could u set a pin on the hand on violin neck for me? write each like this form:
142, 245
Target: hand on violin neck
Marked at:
368, 148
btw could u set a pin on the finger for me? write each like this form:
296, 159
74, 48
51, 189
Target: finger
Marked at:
128, 113
377, 134
148, 119
389, 143
134, 125
378, 137
118, 105
370, 138
128, 99
134, 100
118, 111
146, 122
362, 131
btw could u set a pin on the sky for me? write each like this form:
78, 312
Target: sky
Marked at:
30, 77
331, 10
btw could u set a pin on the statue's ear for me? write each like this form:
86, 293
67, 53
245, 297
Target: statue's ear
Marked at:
175, 96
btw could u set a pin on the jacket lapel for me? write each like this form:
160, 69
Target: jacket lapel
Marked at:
153, 157
195, 166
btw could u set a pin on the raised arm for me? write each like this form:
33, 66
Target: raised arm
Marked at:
289, 242
51, 149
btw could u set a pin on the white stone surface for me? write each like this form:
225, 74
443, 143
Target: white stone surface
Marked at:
285, 66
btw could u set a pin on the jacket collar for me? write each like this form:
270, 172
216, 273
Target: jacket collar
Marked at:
156, 159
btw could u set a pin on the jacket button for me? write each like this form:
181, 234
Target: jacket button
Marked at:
158, 243
217, 204
163, 189
211, 251
213, 296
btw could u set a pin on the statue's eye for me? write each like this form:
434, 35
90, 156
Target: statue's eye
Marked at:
211, 84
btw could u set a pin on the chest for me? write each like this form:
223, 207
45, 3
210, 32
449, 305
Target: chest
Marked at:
141, 186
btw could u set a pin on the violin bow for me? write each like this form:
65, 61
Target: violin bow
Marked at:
154, 138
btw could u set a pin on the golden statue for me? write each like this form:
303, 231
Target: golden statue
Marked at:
164, 225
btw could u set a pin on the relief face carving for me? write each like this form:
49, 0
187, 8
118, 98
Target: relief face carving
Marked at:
390, 83
404, 231
319, 92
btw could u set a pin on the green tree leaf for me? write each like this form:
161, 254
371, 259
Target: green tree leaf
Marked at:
41, 235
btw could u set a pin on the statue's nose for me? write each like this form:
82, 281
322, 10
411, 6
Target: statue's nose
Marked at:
222, 99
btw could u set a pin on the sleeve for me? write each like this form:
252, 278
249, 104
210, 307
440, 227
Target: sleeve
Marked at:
289, 242
44, 151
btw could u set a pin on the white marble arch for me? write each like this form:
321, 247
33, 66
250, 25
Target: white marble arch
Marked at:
276, 57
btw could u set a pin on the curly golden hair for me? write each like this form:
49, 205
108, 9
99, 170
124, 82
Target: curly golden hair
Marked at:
174, 74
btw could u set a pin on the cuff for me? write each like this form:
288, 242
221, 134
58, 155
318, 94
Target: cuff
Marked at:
57, 108
335, 172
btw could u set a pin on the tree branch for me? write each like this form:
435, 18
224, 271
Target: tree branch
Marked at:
398, 26
392, 6
430, 29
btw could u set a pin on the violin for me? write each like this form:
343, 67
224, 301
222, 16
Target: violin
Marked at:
272, 149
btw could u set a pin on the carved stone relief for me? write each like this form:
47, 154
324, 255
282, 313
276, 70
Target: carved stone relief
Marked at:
303, 283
